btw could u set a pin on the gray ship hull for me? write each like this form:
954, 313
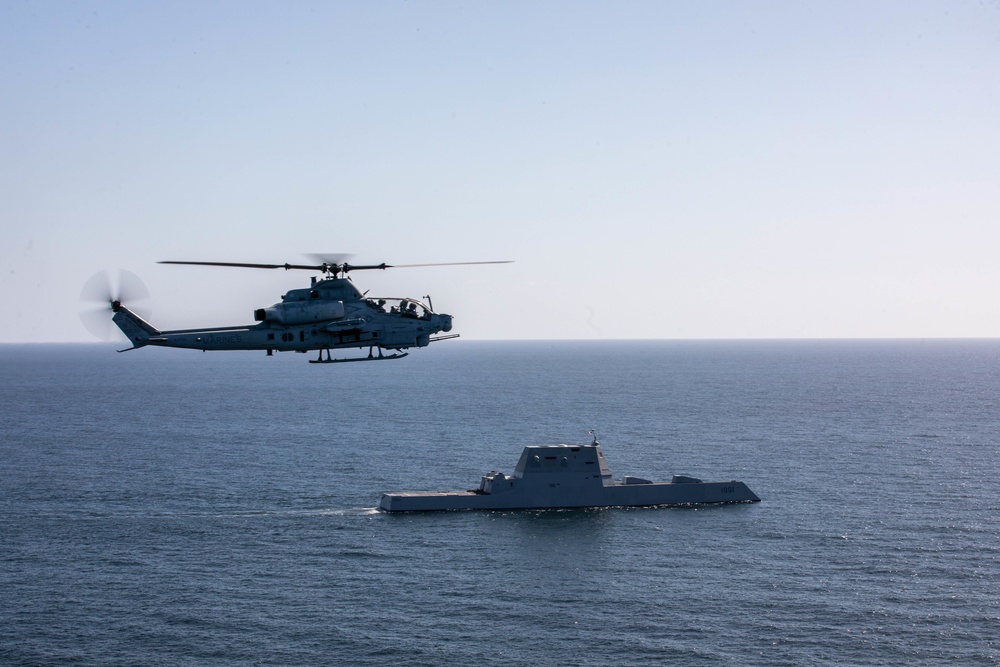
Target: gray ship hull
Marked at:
563, 477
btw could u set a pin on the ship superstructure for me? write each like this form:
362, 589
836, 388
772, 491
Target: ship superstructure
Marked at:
567, 476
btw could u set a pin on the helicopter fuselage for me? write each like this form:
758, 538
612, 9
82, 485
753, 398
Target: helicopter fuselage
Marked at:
331, 314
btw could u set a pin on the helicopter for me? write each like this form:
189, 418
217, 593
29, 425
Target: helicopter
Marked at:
330, 314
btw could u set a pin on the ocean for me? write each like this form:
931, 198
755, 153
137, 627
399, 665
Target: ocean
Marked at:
172, 507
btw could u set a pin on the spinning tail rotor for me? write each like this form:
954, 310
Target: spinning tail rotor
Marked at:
104, 293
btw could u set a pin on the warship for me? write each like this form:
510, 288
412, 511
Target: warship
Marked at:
568, 476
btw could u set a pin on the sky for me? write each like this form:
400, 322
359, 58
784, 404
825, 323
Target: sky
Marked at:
656, 170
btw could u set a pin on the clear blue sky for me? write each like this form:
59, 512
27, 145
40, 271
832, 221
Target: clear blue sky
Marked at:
656, 169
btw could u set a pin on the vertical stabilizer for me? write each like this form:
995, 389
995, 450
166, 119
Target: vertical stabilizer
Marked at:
136, 329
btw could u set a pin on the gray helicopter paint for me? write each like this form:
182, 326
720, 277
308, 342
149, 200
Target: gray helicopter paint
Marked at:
331, 314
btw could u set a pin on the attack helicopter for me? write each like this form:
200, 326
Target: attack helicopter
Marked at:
330, 314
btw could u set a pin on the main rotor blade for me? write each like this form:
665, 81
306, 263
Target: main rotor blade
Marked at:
307, 267
345, 268
358, 267
407, 266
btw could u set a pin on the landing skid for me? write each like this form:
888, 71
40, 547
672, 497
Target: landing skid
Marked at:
370, 357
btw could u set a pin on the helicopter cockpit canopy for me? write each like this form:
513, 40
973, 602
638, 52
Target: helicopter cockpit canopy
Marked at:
406, 307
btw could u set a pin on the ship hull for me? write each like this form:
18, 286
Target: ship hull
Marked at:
613, 495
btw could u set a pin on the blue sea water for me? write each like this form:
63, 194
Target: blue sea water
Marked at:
181, 508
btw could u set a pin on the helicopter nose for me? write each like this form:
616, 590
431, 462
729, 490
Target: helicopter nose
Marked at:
446, 323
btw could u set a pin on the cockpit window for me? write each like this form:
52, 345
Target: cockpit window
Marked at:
406, 308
